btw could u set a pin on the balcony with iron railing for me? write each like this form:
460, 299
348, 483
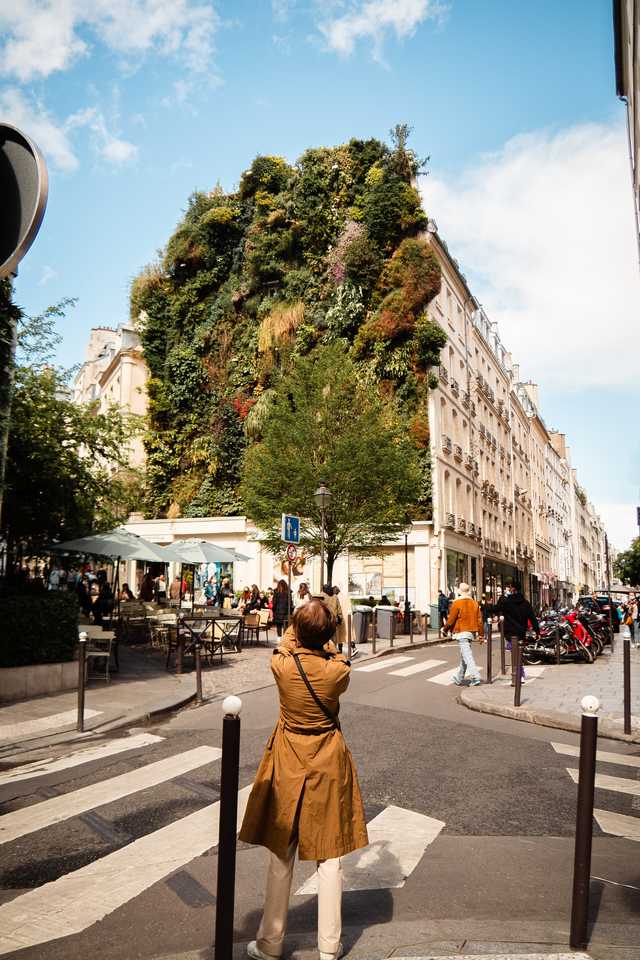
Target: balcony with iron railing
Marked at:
457, 452
455, 387
443, 375
450, 521
447, 445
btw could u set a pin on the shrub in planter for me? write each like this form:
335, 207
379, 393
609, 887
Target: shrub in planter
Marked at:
37, 628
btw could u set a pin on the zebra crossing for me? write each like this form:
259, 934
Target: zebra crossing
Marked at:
612, 822
442, 678
71, 903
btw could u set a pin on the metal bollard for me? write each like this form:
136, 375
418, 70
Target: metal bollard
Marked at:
226, 885
558, 645
196, 654
584, 822
489, 639
375, 630
503, 652
426, 626
349, 637
411, 627
626, 681
516, 663
82, 661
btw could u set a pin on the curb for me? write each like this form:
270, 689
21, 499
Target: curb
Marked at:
20, 748
544, 718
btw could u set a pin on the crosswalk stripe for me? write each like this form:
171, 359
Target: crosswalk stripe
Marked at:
443, 678
397, 841
416, 668
383, 664
602, 756
505, 956
41, 768
18, 823
618, 824
617, 784
76, 901
27, 728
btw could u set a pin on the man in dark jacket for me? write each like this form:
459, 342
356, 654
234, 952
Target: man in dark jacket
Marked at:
518, 614
443, 608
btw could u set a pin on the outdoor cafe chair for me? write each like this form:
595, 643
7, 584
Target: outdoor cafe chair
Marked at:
250, 627
98, 655
265, 623
227, 630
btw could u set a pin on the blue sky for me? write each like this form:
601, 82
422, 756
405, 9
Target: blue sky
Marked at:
137, 103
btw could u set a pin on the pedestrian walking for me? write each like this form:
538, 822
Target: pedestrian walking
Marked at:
175, 590
282, 606
465, 621
306, 795
341, 627
146, 589
633, 615
443, 609
518, 615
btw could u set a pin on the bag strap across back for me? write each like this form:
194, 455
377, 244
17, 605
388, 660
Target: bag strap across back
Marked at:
325, 710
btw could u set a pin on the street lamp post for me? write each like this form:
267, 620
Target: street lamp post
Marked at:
322, 496
407, 605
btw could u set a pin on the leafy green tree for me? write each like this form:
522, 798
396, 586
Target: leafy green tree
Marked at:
326, 424
626, 566
59, 481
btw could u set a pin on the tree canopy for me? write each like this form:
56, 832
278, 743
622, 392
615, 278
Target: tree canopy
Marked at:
59, 480
325, 423
300, 257
626, 566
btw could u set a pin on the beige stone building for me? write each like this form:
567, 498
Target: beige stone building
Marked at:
503, 501
114, 374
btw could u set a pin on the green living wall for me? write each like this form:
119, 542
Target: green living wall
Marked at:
298, 256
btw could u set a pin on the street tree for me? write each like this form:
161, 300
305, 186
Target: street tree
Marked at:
323, 423
626, 566
60, 481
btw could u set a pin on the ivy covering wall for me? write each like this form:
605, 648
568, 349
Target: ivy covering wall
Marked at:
298, 256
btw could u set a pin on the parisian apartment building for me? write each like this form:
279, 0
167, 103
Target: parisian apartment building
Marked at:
507, 503
114, 374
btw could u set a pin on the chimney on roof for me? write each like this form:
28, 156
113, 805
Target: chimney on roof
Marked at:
532, 392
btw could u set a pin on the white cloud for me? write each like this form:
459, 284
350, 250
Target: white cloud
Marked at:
48, 273
44, 36
620, 523
106, 145
31, 116
544, 230
374, 19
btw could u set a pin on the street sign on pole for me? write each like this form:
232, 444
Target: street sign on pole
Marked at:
292, 552
290, 528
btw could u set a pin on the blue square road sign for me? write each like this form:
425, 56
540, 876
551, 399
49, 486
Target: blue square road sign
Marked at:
290, 528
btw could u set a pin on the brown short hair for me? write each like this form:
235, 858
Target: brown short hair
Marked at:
314, 624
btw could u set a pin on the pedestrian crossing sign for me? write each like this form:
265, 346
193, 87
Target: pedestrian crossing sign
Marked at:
290, 528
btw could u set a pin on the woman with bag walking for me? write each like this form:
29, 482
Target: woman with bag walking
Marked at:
306, 794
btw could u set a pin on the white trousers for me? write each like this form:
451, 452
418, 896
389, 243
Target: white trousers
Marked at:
273, 925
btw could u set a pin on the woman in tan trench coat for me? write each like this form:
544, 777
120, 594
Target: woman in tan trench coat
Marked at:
306, 792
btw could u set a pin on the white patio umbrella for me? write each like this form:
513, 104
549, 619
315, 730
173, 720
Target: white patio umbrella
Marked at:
193, 552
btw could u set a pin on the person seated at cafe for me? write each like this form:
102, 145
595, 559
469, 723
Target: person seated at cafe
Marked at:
126, 595
103, 605
254, 602
226, 596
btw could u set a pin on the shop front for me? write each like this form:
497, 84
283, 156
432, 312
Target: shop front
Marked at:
497, 576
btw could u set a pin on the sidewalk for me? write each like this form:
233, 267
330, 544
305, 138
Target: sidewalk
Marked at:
143, 689
553, 699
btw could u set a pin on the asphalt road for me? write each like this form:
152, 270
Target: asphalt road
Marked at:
499, 871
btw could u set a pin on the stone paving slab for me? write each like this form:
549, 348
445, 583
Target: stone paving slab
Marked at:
553, 700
